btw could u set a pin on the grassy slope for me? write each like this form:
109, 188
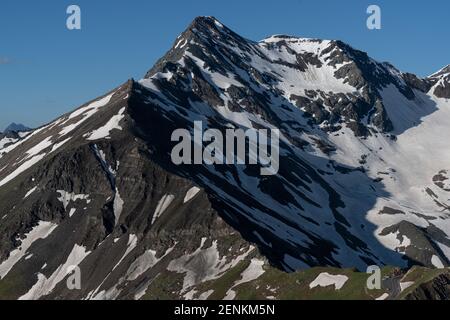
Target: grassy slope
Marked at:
279, 285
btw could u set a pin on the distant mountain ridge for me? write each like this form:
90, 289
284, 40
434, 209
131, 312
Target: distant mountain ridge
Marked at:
16, 127
12, 134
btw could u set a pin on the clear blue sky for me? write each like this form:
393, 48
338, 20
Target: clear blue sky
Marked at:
46, 70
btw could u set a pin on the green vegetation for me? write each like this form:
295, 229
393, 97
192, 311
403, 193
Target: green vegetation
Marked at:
295, 286
419, 275
275, 284
165, 287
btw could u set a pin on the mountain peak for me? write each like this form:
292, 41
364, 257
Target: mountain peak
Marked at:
441, 82
206, 19
206, 25
445, 70
203, 32
16, 127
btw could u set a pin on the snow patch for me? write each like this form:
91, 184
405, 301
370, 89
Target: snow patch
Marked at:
104, 132
41, 231
253, 272
86, 112
203, 265
206, 295
191, 194
325, 279
163, 204
72, 212
66, 197
132, 243
30, 192
45, 286
118, 206
435, 261
405, 285
384, 296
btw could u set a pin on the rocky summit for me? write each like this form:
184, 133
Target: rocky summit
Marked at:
363, 180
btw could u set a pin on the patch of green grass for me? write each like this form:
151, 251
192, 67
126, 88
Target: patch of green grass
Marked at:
165, 287
9, 287
295, 286
280, 285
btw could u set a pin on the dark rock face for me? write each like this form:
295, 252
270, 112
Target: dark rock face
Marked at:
442, 90
440, 81
441, 179
423, 238
218, 186
10, 135
435, 289
105, 171
415, 82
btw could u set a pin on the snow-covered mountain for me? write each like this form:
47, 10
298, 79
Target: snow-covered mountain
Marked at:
10, 137
16, 127
363, 176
